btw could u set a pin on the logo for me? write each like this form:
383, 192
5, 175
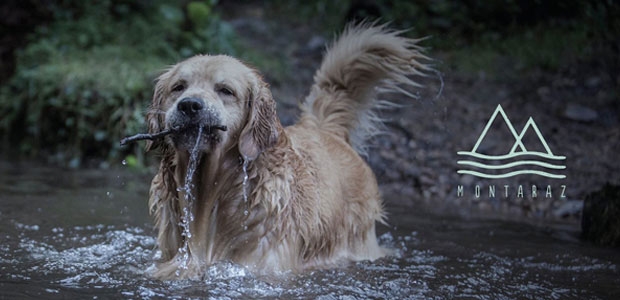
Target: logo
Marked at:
519, 160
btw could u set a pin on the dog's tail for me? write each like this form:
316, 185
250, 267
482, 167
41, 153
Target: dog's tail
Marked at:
364, 60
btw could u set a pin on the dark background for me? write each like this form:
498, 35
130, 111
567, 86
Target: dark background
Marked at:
77, 76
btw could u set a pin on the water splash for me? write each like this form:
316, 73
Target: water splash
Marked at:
101, 255
188, 217
68, 256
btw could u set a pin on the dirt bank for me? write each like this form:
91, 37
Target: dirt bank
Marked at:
575, 109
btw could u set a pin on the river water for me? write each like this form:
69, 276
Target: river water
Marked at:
86, 234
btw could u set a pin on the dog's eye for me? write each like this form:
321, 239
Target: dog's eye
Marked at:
225, 91
178, 87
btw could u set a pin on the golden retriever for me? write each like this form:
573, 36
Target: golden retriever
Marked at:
261, 195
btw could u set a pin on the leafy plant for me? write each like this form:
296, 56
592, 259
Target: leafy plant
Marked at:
84, 81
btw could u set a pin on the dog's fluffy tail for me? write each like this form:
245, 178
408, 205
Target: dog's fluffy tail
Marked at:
366, 59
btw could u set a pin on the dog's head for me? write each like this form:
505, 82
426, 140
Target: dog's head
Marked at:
204, 93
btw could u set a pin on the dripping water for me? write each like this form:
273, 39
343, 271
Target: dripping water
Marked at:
245, 190
188, 217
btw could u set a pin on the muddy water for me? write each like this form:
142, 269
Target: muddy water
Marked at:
87, 234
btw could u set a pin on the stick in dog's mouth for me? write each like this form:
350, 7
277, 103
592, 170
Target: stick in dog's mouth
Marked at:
161, 134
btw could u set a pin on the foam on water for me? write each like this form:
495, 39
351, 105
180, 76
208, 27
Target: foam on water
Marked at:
106, 259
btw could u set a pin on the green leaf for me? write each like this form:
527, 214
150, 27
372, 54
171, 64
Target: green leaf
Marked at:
198, 13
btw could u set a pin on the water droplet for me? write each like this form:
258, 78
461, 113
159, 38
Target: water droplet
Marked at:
246, 213
245, 179
245, 227
124, 162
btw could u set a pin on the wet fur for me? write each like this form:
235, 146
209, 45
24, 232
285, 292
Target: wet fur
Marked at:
312, 200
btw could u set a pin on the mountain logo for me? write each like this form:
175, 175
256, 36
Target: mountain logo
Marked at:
501, 166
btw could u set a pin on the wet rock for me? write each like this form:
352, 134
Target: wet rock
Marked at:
580, 113
600, 222
316, 43
407, 191
593, 82
568, 208
410, 170
543, 91
467, 180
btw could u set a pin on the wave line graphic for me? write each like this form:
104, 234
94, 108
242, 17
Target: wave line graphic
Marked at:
511, 155
510, 174
517, 152
510, 165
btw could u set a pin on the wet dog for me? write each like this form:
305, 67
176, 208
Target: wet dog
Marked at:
261, 195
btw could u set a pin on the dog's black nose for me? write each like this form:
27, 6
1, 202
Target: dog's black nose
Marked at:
190, 106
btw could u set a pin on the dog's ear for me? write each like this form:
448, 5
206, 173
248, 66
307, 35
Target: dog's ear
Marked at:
164, 206
262, 126
155, 117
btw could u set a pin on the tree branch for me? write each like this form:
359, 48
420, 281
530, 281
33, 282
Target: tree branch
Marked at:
153, 136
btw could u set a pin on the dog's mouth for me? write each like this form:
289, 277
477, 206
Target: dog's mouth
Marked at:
181, 135
191, 125
197, 137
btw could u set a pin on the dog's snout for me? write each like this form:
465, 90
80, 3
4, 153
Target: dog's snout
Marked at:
190, 106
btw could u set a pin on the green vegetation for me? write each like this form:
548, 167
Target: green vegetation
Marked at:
85, 80
497, 37
514, 53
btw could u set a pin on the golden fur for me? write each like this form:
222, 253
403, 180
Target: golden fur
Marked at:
312, 201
